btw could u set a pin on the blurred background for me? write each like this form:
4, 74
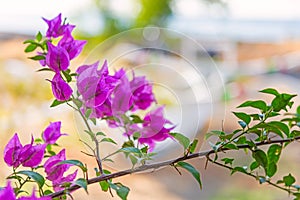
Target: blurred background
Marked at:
235, 47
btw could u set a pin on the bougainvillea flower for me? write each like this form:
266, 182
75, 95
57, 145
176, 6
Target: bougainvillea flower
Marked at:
142, 94
87, 80
32, 156
29, 156
122, 96
52, 133
33, 197
72, 46
7, 193
52, 169
58, 182
102, 110
60, 89
57, 58
56, 28
154, 128
95, 85
12, 151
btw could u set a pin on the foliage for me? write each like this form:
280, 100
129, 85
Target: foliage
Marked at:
269, 125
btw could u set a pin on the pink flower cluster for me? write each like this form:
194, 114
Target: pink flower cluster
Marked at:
29, 155
112, 96
15, 154
107, 96
58, 57
55, 172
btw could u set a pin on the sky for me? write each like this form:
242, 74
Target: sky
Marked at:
24, 16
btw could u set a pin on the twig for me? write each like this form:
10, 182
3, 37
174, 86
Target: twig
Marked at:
248, 173
154, 166
96, 152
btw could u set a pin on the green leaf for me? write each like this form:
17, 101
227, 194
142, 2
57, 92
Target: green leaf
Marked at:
238, 169
298, 110
88, 112
251, 143
270, 91
289, 180
91, 134
259, 104
254, 165
243, 116
94, 121
82, 183
100, 133
73, 74
231, 146
39, 36
297, 195
17, 177
136, 119
38, 57
183, 140
122, 191
131, 150
77, 102
136, 135
256, 116
270, 128
241, 140
295, 133
56, 103
108, 140
67, 76
104, 185
47, 192
38, 140
75, 163
133, 160
281, 102
229, 136
44, 69
282, 126
272, 169
128, 144
261, 158
29, 41
228, 161
30, 48
192, 170
216, 133
145, 149
193, 146
39, 179
274, 152
279, 182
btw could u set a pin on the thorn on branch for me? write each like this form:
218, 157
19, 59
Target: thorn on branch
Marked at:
206, 162
87, 154
179, 172
110, 192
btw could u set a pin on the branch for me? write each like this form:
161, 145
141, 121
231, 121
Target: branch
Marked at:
154, 166
247, 173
